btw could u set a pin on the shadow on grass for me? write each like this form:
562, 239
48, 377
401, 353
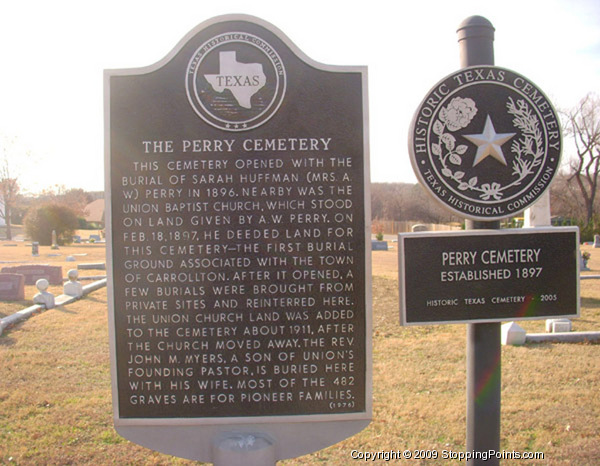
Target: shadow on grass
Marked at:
91, 297
546, 345
5, 340
590, 302
542, 345
64, 309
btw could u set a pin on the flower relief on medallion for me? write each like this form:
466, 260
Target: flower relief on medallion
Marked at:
526, 147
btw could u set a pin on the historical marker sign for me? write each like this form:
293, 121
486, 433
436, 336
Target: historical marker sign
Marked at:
485, 142
489, 275
240, 286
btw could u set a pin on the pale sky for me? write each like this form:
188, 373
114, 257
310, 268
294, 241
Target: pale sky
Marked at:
54, 54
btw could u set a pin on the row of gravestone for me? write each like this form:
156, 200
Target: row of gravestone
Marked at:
13, 279
92, 239
383, 245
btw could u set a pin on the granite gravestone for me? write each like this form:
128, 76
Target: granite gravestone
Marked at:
379, 245
54, 240
12, 287
32, 273
237, 173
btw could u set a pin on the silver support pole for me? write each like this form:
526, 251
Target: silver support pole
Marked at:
476, 46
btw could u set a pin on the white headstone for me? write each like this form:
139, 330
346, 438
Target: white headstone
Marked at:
73, 287
558, 325
538, 215
513, 334
43, 297
54, 241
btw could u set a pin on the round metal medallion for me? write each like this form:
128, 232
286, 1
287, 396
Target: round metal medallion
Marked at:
235, 81
486, 142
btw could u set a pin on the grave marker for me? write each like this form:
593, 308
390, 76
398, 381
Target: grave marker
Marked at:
54, 240
32, 273
43, 297
73, 287
379, 245
12, 287
419, 227
237, 223
92, 266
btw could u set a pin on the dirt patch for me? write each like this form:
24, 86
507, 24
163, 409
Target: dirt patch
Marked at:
385, 263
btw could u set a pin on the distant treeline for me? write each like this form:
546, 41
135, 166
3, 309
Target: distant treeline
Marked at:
76, 199
410, 202
407, 202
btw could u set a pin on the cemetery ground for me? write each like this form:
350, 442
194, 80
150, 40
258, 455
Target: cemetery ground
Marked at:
55, 401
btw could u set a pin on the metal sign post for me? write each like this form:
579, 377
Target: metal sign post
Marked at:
486, 143
484, 347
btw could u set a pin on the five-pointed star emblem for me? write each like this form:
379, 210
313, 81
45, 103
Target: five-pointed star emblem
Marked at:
489, 142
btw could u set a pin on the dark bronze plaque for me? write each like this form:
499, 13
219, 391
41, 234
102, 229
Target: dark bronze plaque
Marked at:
485, 142
237, 176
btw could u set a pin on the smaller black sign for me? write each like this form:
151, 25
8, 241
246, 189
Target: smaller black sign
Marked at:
489, 276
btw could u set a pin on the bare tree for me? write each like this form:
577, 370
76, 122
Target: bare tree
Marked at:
12, 159
406, 202
75, 198
9, 190
582, 124
565, 199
